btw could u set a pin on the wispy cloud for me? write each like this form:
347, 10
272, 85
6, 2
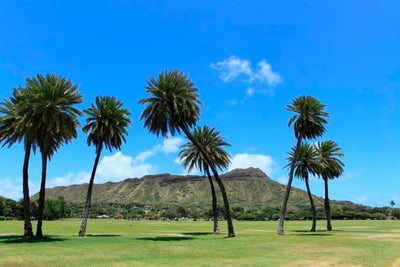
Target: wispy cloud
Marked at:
361, 199
263, 162
261, 80
231, 102
283, 180
111, 169
118, 166
350, 175
10, 188
169, 145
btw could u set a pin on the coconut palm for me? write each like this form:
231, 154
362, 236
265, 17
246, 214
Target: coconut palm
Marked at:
106, 126
191, 157
16, 128
306, 163
55, 121
308, 122
174, 107
330, 167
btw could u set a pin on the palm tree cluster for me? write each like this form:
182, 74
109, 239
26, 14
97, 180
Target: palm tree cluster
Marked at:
43, 115
191, 158
321, 159
174, 107
40, 115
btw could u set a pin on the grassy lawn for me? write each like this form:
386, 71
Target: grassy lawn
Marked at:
154, 243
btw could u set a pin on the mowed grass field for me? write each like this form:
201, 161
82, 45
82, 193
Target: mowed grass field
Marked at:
188, 243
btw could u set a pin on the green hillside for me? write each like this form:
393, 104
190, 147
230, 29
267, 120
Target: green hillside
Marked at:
245, 187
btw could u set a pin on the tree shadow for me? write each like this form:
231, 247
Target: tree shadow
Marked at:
314, 234
103, 235
17, 239
197, 233
165, 238
309, 233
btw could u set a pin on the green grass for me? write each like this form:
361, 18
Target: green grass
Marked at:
154, 243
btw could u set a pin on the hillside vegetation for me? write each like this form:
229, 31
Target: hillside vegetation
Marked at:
245, 187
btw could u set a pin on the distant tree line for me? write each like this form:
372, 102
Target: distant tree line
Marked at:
53, 209
59, 208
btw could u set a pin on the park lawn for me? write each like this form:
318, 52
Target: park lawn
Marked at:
155, 243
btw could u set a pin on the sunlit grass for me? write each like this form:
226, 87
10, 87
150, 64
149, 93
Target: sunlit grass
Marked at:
153, 243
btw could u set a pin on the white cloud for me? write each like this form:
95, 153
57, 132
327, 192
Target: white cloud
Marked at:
232, 67
10, 188
117, 167
171, 145
283, 180
142, 156
350, 175
264, 162
110, 169
265, 74
263, 78
250, 91
60, 181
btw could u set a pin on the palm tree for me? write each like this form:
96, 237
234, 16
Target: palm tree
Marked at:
15, 128
174, 107
306, 163
330, 167
106, 125
55, 121
392, 204
211, 140
308, 123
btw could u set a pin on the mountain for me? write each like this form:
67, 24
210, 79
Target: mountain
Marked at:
245, 187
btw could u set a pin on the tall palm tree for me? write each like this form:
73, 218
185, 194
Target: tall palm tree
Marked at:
55, 121
308, 122
106, 125
174, 107
15, 127
330, 167
191, 157
306, 163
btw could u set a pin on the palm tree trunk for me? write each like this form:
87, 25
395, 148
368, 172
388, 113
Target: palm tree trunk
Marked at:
28, 233
313, 211
214, 203
39, 232
82, 231
288, 187
327, 206
231, 232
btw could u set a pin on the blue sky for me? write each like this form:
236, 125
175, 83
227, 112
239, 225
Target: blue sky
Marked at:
249, 59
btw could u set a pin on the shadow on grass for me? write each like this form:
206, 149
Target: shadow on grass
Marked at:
103, 235
309, 233
17, 239
165, 238
197, 233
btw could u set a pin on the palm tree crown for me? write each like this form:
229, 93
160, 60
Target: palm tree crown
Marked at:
309, 120
212, 142
306, 161
52, 114
174, 103
107, 123
328, 156
16, 124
